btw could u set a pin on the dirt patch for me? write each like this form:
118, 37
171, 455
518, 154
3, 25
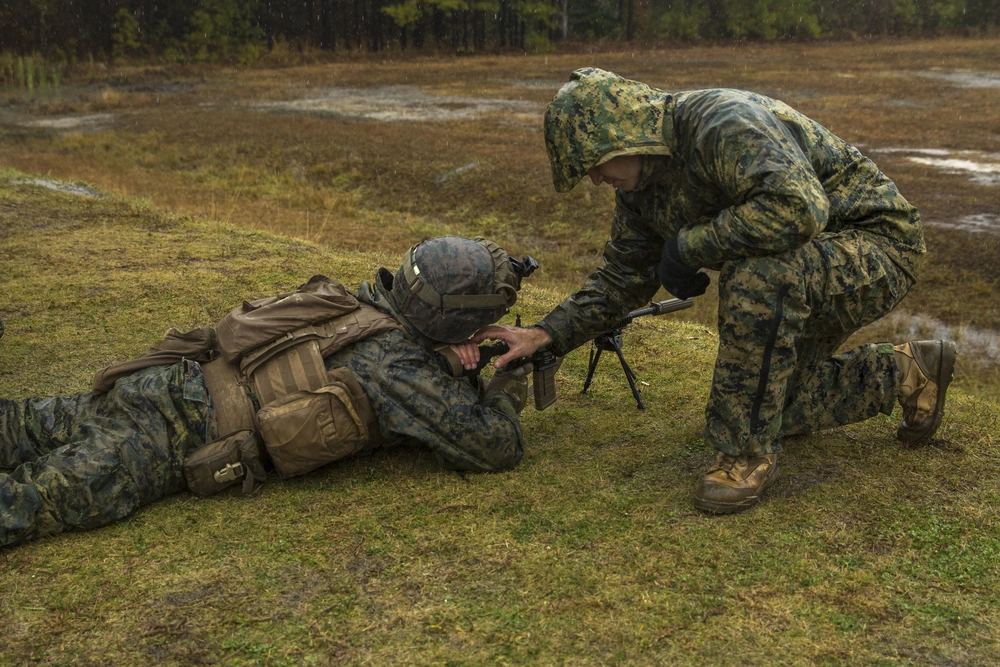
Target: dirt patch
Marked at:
401, 103
157, 88
789, 486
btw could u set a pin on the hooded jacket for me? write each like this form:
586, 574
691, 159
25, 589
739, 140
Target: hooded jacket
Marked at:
730, 173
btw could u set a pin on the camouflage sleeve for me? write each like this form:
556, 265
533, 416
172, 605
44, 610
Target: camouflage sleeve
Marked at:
626, 281
752, 159
415, 400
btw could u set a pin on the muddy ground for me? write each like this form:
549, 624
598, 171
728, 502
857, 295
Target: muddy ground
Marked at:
377, 154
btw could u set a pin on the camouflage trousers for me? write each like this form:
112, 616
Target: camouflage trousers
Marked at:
82, 461
781, 320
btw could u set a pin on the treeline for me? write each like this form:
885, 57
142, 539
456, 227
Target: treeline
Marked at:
244, 30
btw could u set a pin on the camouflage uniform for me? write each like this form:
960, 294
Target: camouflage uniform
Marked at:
811, 240
84, 461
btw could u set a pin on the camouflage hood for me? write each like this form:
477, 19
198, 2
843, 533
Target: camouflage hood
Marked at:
598, 116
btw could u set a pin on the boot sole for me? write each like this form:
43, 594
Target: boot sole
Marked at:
713, 507
726, 508
917, 436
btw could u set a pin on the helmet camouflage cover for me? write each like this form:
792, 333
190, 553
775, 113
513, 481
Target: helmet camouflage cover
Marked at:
598, 116
450, 287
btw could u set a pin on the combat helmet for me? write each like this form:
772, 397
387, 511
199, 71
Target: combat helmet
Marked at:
449, 287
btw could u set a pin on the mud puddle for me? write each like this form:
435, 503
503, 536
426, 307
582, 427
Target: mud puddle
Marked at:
92, 123
963, 78
548, 84
402, 103
980, 167
458, 171
979, 345
58, 186
981, 223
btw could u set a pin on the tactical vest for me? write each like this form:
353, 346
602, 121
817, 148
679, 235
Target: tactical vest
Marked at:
271, 378
264, 370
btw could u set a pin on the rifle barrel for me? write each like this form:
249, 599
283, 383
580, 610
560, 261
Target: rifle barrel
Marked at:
660, 308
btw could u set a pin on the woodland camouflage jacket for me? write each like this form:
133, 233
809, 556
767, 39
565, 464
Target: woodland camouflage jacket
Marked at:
731, 173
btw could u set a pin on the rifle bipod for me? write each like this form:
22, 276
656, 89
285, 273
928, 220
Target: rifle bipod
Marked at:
612, 342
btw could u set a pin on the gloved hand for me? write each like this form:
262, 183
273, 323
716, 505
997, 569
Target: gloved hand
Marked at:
677, 277
514, 383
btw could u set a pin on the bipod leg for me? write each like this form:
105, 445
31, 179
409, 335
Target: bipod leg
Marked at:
592, 366
630, 376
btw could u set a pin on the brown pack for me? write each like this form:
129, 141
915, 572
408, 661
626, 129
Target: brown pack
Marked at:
312, 427
276, 346
257, 323
198, 345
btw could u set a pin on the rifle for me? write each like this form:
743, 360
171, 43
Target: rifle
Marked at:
544, 363
543, 375
611, 340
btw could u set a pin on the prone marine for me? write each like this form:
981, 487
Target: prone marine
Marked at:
281, 386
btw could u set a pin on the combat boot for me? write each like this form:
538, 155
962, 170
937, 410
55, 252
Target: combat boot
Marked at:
735, 483
925, 371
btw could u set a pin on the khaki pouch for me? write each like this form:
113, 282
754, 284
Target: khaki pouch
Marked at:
224, 462
307, 429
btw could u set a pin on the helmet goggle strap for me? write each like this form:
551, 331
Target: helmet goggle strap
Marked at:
419, 288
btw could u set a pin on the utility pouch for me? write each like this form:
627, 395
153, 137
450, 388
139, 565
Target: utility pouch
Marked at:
310, 428
224, 462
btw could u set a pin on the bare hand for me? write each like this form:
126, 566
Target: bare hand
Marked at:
523, 342
468, 354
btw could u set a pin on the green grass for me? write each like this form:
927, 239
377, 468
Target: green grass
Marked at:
589, 553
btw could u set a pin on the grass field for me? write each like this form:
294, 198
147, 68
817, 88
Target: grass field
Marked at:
227, 185
589, 553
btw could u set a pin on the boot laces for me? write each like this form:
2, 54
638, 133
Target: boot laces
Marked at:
724, 462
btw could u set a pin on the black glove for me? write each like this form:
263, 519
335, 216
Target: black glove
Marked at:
677, 277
